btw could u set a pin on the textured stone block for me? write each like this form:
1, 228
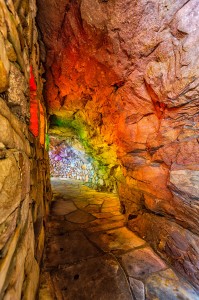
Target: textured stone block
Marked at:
5, 263
117, 240
82, 279
7, 229
165, 285
10, 190
142, 262
186, 181
18, 93
4, 78
137, 288
174, 242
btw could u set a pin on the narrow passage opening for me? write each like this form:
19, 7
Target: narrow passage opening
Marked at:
69, 160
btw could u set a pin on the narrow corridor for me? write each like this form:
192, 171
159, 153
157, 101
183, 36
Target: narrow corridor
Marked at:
90, 254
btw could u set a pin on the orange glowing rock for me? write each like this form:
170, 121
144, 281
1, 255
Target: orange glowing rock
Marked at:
33, 86
42, 124
34, 116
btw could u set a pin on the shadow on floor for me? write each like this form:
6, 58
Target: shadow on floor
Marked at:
91, 255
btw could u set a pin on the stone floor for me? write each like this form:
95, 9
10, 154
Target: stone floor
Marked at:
91, 255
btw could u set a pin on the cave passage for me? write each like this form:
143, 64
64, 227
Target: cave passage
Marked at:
91, 254
69, 160
99, 149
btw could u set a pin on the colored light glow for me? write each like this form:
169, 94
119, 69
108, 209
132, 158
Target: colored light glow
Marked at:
33, 86
47, 142
104, 156
69, 162
34, 106
42, 124
37, 115
34, 115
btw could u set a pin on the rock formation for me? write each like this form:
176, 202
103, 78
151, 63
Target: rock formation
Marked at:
122, 78
24, 176
123, 75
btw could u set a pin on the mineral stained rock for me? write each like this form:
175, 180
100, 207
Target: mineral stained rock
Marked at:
124, 74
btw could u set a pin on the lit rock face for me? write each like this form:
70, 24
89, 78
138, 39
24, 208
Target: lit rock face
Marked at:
124, 74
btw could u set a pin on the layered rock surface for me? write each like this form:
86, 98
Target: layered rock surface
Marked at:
24, 171
124, 76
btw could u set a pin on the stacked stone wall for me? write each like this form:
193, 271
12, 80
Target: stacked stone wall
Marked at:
24, 175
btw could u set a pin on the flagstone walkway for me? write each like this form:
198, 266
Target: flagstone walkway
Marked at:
91, 255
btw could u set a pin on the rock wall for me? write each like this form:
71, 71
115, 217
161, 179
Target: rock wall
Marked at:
124, 75
24, 177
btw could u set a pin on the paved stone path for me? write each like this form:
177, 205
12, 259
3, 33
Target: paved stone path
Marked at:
91, 255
